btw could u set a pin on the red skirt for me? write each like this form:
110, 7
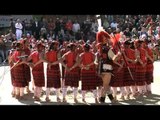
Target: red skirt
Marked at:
53, 76
149, 73
127, 77
72, 78
140, 75
27, 73
117, 80
38, 75
19, 76
89, 79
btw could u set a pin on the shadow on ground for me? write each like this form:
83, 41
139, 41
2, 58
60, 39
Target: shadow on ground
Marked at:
152, 99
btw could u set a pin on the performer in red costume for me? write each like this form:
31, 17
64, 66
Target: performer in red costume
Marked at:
88, 72
26, 49
37, 58
140, 66
19, 81
53, 70
71, 74
105, 61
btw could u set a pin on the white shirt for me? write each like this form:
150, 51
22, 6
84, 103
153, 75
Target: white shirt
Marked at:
18, 26
75, 27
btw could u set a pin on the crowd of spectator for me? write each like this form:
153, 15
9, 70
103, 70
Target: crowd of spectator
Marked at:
66, 29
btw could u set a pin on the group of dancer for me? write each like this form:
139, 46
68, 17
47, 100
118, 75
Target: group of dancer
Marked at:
103, 66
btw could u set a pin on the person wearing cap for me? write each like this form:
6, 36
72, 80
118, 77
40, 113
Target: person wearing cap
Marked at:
71, 75
88, 72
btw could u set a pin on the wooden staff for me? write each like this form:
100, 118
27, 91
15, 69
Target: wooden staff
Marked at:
15, 64
125, 61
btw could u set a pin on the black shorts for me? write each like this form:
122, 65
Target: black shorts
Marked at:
105, 70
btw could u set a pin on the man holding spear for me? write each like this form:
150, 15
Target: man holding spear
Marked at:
105, 60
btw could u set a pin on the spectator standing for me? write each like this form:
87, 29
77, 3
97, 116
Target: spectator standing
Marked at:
19, 28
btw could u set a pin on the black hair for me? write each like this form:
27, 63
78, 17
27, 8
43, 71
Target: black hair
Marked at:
87, 46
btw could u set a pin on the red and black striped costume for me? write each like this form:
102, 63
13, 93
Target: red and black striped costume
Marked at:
53, 74
19, 71
149, 67
117, 80
140, 71
88, 77
130, 53
71, 77
26, 67
38, 70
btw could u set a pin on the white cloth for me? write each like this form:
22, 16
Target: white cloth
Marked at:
18, 27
